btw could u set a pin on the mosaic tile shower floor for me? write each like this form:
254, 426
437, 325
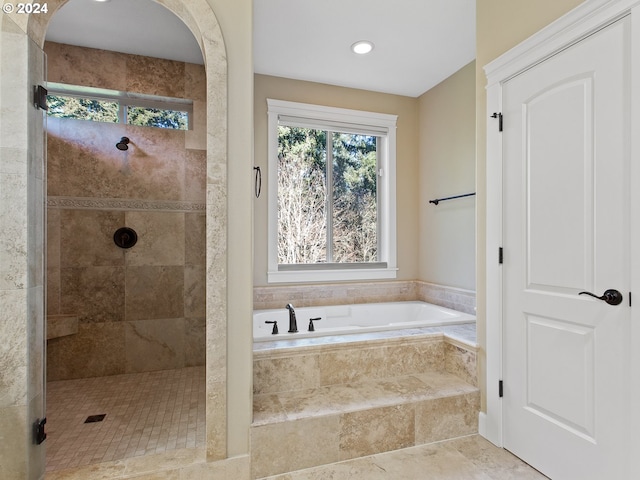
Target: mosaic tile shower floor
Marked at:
149, 412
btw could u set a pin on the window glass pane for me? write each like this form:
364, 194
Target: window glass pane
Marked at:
355, 209
156, 117
302, 195
82, 108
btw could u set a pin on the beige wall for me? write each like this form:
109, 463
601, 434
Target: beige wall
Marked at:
140, 309
447, 167
500, 25
407, 158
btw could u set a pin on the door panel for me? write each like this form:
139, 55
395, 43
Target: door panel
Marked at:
568, 349
566, 172
559, 159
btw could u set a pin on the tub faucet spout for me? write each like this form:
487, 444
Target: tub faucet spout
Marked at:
293, 325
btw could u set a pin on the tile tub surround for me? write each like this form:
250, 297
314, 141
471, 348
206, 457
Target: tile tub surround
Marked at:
450, 297
331, 402
140, 309
366, 292
289, 365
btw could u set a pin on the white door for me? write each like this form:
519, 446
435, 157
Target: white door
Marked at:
566, 216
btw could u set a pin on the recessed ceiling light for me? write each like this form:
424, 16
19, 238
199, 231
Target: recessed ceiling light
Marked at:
362, 47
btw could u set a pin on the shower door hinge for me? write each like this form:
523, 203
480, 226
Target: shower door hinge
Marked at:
39, 435
500, 255
499, 117
40, 97
500, 389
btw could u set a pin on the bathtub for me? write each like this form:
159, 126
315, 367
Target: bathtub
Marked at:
351, 319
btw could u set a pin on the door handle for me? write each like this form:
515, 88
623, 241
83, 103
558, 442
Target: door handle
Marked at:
612, 297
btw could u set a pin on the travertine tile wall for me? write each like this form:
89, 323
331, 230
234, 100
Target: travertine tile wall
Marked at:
324, 365
21, 263
373, 292
139, 309
332, 294
321, 366
323, 403
450, 297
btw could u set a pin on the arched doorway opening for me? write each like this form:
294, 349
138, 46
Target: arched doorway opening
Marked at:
199, 18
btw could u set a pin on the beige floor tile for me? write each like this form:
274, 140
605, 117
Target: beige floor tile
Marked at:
146, 413
498, 463
467, 458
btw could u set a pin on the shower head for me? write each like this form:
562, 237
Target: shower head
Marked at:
123, 144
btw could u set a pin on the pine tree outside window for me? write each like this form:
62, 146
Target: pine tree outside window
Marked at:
101, 105
332, 213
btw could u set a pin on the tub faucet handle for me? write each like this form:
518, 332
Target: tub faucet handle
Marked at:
311, 320
274, 331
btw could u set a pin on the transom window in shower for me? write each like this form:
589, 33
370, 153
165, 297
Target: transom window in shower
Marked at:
332, 211
101, 105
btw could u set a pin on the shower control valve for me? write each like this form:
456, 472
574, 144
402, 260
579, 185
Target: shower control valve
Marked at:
274, 331
311, 320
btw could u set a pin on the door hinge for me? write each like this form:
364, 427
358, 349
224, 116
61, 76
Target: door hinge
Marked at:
40, 97
39, 435
500, 389
500, 255
498, 115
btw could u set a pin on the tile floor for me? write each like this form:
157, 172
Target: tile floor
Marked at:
160, 412
149, 412
466, 458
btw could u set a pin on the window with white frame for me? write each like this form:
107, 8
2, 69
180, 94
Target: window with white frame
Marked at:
331, 193
102, 105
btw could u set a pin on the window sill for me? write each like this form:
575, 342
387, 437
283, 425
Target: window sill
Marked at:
298, 276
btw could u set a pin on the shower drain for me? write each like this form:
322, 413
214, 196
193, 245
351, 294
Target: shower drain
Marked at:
95, 418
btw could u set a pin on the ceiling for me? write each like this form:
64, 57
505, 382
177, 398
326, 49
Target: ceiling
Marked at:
418, 43
140, 27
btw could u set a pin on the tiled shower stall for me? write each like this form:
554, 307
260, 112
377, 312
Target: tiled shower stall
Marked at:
138, 309
126, 327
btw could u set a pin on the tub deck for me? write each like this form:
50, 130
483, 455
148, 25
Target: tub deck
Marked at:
464, 333
355, 319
